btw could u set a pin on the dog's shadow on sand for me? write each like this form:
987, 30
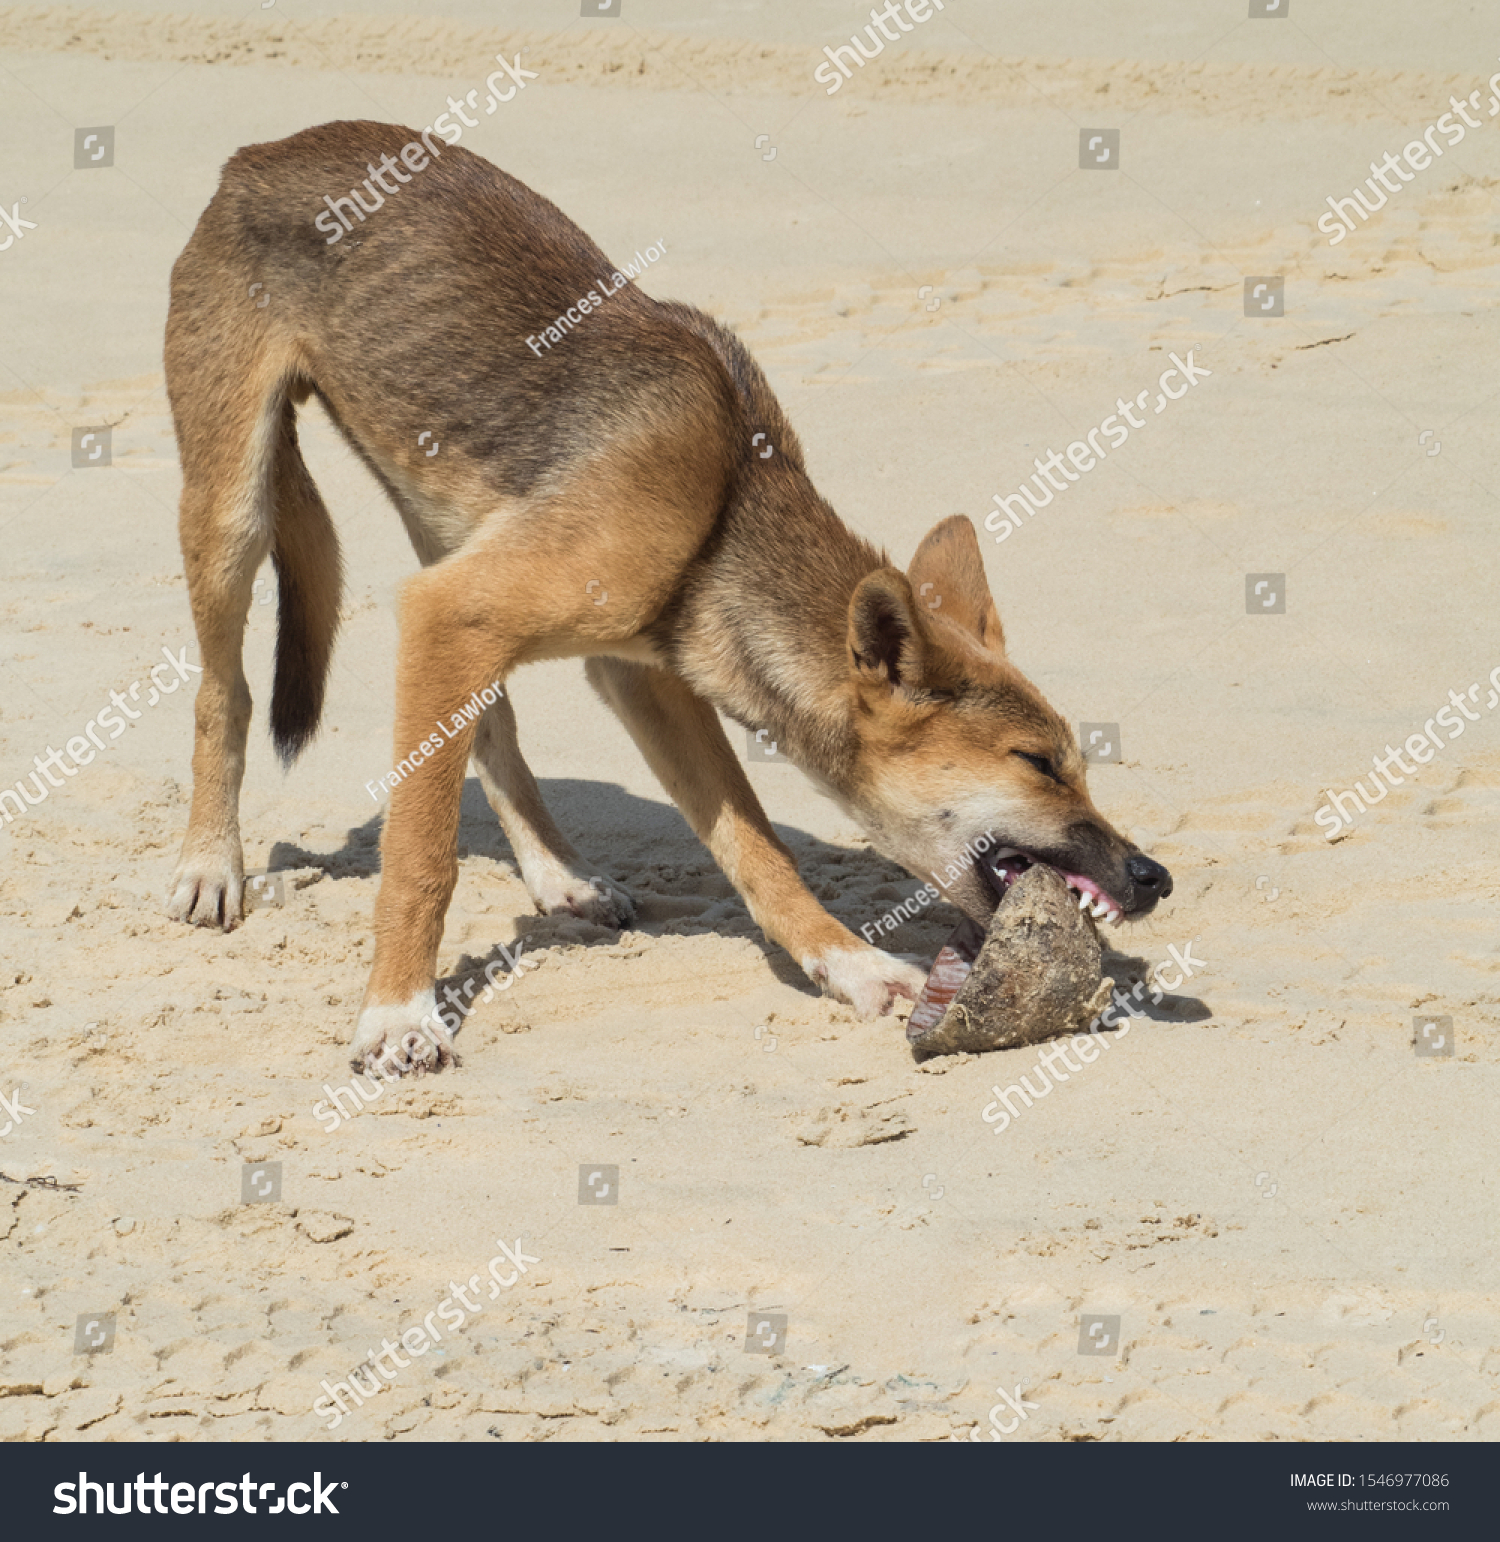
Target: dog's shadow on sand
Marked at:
642, 844
648, 848
1126, 969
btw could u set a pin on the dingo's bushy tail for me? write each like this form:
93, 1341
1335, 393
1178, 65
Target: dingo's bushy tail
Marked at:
309, 575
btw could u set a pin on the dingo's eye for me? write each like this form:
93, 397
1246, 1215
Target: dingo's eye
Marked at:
1041, 763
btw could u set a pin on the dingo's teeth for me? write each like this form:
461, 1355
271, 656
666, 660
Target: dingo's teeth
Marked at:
1092, 900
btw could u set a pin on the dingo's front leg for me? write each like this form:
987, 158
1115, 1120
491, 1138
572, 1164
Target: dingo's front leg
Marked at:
466, 622
440, 669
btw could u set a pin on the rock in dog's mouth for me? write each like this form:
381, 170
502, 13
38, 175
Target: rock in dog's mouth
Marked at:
1002, 866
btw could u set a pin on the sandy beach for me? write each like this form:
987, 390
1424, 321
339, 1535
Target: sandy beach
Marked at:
698, 1200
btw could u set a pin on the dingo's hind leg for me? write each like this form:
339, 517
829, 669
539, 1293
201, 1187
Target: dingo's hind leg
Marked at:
245, 494
226, 404
558, 879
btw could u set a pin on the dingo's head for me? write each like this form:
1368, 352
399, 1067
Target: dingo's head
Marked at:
963, 771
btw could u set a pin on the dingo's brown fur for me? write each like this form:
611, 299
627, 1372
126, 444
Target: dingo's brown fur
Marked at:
622, 459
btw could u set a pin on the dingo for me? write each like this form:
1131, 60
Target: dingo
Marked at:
626, 460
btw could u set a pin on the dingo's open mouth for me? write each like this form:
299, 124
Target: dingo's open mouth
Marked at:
1002, 866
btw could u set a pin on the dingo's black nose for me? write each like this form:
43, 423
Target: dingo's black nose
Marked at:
1150, 876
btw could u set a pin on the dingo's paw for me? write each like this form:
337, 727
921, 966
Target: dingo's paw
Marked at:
867, 979
403, 1039
592, 899
209, 892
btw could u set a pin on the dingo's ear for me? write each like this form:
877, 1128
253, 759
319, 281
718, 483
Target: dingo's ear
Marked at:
886, 639
947, 576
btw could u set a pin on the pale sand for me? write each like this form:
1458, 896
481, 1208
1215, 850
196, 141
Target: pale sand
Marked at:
1291, 1213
